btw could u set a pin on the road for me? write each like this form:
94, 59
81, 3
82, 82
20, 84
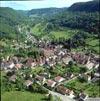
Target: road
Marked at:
62, 97
65, 97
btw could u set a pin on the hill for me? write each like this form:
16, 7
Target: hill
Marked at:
69, 26
90, 6
53, 23
46, 12
9, 18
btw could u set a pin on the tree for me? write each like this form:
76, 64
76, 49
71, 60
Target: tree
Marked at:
38, 88
83, 69
19, 83
70, 64
83, 79
50, 97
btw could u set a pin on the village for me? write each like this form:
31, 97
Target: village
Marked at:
68, 66
49, 50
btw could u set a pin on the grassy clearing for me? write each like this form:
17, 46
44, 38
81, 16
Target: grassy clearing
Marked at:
37, 29
68, 33
93, 44
57, 34
63, 33
22, 96
37, 70
91, 89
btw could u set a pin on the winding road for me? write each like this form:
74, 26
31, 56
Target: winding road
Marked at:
62, 97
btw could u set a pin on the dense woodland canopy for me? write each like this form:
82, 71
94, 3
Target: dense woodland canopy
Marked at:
90, 6
9, 18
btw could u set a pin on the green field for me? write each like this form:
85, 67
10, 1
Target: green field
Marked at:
37, 29
22, 96
63, 34
91, 89
37, 70
60, 33
93, 44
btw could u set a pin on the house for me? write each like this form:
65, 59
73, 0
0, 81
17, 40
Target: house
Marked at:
66, 60
41, 63
96, 65
13, 78
40, 79
61, 53
63, 90
18, 66
97, 75
15, 59
82, 97
55, 57
46, 75
85, 77
88, 78
28, 83
59, 79
29, 62
3, 65
80, 58
58, 46
95, 79
51, 83
11, 65
51, 64
69, 75
47, 59
90, 65
33, 64
71, 94
48, 52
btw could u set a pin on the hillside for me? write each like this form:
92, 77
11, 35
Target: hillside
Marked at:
90, 6
54, 24
46, 11
77, 20
68, 26
9, 18
53, 18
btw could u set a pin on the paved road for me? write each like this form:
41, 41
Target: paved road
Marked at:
65, 97
62, 97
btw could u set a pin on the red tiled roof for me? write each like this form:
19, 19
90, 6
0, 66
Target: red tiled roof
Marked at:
50, 82
62, 90
18, 65
58, 78
40, 78
28, 82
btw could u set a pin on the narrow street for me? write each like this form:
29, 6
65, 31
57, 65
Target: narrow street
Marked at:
65, 97
62, 97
